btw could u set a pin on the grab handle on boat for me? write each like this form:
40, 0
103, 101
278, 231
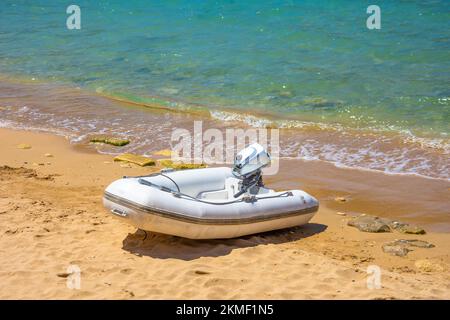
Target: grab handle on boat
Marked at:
119, 212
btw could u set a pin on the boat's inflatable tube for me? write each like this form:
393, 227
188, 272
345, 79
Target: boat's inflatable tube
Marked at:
200, 204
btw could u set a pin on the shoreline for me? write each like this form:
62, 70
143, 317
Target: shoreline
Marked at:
52, 217
23, 106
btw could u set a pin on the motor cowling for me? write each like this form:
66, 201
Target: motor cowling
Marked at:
247, 167
250, 160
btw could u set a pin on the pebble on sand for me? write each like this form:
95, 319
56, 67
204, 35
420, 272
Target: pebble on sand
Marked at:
428, 266
48, 155
341, 213
340, 199
36, 164
23, 146
63, 274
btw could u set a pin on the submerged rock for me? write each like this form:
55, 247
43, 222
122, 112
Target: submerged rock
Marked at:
136, 159
320, 102
369, 224
112, 141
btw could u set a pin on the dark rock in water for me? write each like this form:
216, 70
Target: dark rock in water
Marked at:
369, 224
402, 247
395, 249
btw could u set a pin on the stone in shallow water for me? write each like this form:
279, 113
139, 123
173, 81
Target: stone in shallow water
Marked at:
369, 224
112, 141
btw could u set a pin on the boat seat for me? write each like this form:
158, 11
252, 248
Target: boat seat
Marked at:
231, 188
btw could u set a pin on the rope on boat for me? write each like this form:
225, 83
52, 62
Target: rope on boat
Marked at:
179, 194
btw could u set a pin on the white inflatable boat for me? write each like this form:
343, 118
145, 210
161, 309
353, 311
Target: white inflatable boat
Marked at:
209, 203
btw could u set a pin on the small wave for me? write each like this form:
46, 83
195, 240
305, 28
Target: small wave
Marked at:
401, 153
402, 161
250, 120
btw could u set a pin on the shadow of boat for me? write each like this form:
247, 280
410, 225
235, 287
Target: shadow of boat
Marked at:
162, 246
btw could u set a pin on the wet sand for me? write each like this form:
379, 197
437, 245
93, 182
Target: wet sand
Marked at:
51, 217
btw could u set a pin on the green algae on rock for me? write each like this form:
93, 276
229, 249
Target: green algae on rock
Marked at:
167, 163
112, 141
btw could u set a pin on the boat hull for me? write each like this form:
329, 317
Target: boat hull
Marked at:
151, 209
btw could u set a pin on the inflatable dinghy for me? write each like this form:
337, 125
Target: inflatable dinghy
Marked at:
209, 203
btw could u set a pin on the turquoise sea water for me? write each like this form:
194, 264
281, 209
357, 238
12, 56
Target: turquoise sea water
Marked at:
360, 98
306, 60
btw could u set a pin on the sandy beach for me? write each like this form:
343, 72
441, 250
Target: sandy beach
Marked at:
51, 217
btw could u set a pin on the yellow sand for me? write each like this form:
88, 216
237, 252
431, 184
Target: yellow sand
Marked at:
51, 217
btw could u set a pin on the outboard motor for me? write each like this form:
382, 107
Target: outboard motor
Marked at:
247, 167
